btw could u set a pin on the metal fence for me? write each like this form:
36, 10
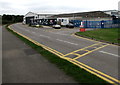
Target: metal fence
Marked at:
102, 24
86, 24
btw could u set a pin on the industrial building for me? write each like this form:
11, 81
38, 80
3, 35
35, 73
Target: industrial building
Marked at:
113, 13
93, 19
93, 15
30, 16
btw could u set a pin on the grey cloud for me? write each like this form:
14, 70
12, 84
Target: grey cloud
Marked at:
5, 5
119, 5
45, 6
56, 9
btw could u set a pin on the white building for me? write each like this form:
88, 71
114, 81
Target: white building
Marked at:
33, 16
113, 12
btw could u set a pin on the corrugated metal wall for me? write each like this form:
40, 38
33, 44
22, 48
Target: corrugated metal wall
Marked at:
97, 24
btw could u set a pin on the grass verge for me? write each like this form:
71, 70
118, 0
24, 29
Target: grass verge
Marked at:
80, 75
106, 35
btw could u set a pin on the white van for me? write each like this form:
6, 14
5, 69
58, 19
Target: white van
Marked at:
63, 21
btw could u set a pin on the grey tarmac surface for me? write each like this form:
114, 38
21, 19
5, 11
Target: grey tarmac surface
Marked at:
105, 59
22, 64
0, 54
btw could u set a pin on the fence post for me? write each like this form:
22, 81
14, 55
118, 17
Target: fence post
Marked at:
102, 24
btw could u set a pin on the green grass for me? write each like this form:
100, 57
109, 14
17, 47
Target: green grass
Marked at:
108, 35
77, 73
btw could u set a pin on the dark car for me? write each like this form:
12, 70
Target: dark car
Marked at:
70, 25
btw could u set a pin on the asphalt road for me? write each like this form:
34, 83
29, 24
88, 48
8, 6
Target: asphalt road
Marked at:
22, 64
95, 56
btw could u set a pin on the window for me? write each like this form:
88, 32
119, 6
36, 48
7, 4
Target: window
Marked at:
62, 20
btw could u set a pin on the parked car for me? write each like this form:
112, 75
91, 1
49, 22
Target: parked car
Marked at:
70, 25
56, 26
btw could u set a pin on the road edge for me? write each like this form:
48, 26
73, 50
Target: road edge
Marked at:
60, 56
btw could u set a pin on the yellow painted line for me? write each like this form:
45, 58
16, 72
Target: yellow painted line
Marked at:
76, 54
83, 38
93, 72
91, 51
54, 50
81, 49
79, 56
91, 39
51, 51
39, 43
55, 53
70, 60
97, 71
35, 42
45, 47
86, 50
95, 47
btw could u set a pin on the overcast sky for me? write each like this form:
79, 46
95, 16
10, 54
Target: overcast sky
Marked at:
21, 7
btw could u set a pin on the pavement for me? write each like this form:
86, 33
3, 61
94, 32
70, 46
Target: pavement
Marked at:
22, 64
0, 54
100, 59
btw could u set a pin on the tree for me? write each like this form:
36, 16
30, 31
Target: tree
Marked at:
7, 19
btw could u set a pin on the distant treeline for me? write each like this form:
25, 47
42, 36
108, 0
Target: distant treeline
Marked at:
8, 19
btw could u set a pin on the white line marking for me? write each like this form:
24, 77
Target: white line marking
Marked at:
109, 53
67, 42
58, 33
45, 36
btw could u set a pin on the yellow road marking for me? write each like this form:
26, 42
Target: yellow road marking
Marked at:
97, 71
94, 47
35, 42
83, 38
90, 39
94, 73
76, 54
71, 60
90, 51
86, 50
81, 49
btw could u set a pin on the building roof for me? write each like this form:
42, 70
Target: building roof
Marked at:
91, 14
110, 11
40, 14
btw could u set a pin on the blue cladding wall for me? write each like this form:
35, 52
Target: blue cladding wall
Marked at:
97, 24
102, 24
92, 24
